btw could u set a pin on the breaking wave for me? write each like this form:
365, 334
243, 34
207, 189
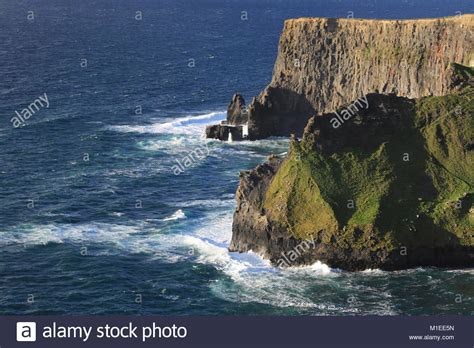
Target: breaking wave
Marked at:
179, 214
185, 125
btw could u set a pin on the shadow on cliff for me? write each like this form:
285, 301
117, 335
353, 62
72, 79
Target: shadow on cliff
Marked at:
410, 189
278, 112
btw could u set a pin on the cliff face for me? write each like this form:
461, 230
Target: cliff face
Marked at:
325, 63
333, 62
384, 182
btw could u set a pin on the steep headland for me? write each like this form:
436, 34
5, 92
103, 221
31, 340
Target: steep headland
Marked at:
324, 63
383, 182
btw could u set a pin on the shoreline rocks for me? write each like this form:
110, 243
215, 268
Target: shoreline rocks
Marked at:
235, 126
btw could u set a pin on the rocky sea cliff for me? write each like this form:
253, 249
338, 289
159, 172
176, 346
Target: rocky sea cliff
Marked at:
383, 175
324, 63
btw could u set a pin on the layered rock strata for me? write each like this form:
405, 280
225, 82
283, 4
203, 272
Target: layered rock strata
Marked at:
324, 63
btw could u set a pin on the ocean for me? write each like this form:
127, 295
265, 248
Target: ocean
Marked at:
94, 216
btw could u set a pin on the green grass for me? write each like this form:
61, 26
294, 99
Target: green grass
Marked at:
425, 201
294, 200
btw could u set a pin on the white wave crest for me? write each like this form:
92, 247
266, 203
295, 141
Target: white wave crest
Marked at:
371, 271
217, 255
179, 214
317, 268
209, 203
184, 125
139, 238
61, 233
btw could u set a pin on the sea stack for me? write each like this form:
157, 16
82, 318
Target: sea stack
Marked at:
235, 126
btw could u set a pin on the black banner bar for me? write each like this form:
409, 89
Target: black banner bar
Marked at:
235, 331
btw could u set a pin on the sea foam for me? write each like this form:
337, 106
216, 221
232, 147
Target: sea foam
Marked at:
184, 125
179, 214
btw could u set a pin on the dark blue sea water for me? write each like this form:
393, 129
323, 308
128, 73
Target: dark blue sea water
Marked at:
92, 218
